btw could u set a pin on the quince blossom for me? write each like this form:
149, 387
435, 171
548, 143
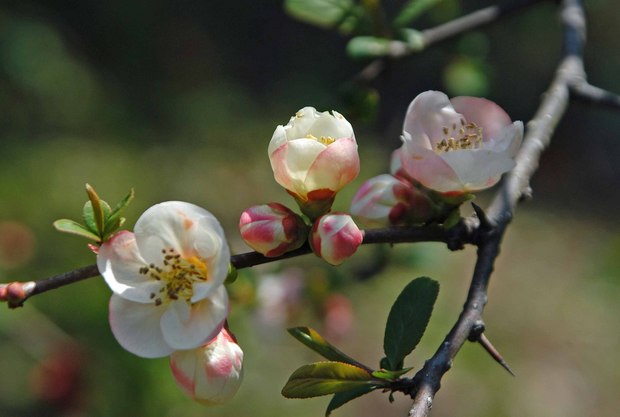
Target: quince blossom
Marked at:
210, 374
313, 157
167, 278
387, 200
335, 237
272, 229
457, 146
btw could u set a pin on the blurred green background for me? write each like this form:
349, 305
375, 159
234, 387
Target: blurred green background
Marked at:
179, 99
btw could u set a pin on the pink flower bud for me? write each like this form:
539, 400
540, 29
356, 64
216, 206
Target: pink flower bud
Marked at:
387, 200
313, 157
210, 374
272, 229
335, 237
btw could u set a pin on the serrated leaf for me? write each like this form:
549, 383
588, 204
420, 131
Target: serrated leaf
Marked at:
390, 375
70, 226
311, 338
340, 14
341, 398
407, 320
324, 378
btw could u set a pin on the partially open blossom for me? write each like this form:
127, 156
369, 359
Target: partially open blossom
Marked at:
386, 200
167, 278
335, 237
210, 374
460, 145
272, 229
313, 157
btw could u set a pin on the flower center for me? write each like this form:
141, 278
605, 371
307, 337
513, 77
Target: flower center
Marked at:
465, 136
325, 140
178, 275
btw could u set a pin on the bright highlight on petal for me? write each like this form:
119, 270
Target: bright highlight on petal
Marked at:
167, 279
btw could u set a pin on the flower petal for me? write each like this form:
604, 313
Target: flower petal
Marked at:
508, 140
335, 167
430, 169
485, 113
291, 162
119, 263
137, 327
335, 126
187, 327
478, 168
428, 114
168, 225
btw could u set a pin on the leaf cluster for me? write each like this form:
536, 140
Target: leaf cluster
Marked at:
347, 378
100, 220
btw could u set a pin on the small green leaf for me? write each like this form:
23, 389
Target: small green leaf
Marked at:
340, 14
361, 47
97, 206
114, 220
70, 226
407, 320
390, 375
412, 10
341, 398
324, 378
311, 338
88, 215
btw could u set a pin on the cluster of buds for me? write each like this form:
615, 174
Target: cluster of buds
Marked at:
450, 149
313, 157
169, 299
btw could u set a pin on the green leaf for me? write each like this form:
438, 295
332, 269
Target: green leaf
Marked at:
70, 226
311, 338
340, 14
88, 215
324, 378
390, 375
407, 320
361, 47
114, 220
341, 398
412, 10
97, 208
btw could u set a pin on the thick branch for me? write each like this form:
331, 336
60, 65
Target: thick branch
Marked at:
427, 381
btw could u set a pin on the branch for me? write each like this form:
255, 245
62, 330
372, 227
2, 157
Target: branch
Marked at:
425, 384
451, 29
16, 293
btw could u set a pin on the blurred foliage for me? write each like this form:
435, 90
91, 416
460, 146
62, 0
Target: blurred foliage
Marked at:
179, 100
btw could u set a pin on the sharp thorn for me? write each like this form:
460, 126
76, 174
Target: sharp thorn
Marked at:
488, 346
485, 222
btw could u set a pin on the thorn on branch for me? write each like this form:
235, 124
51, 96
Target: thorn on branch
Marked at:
488, 346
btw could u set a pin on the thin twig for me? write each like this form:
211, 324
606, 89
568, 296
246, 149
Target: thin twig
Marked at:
455, 237
441, 33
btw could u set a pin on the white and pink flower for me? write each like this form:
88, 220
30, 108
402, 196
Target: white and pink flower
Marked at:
272, 229
210, 374
167, 280
335, 237
457, 146
387, 200
313, 157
